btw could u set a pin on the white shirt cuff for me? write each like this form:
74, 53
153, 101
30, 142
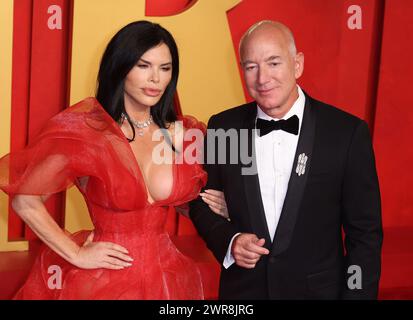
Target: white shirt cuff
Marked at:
229, 259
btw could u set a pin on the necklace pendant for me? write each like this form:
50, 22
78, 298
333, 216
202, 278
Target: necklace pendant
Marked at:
140, 133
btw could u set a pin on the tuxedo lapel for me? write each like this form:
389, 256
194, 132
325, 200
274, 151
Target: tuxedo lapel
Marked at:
297, 182
251, 183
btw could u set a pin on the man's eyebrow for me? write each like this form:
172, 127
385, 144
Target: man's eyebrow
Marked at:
246, 62
272, 58
266, 60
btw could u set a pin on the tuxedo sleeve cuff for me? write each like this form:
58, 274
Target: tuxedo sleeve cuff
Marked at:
229, 259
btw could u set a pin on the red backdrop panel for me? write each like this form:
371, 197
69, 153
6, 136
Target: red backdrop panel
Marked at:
40, 74
394, 117
49, 76
22, 30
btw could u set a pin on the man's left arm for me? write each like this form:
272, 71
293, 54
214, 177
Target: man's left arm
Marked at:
362, 221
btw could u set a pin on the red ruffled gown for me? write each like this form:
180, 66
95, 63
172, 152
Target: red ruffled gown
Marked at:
84, 141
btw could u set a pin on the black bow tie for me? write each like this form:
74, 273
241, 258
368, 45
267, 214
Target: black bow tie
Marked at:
290, 125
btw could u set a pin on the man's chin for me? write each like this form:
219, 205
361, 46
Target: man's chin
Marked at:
268, 105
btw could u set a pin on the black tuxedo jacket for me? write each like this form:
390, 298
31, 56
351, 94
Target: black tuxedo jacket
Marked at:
336, 198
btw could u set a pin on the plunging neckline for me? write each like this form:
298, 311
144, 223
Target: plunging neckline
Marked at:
141, 177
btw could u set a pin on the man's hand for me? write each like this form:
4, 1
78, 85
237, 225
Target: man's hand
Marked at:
247, 249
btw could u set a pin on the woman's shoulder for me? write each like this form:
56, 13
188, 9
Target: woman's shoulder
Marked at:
84, 117
88, 108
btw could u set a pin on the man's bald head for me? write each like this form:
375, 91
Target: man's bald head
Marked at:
269, 26
271, 66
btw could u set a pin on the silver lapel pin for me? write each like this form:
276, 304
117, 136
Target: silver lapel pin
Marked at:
302, 160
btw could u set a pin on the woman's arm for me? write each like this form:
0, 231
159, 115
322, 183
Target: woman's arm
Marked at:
91, 255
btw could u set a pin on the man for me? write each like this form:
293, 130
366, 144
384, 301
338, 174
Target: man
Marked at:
316, 184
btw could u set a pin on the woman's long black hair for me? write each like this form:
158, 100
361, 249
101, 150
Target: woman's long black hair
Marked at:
121, 55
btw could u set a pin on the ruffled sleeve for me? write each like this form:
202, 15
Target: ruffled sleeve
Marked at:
52, 162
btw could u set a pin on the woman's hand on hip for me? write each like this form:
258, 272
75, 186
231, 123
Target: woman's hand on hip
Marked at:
108, 255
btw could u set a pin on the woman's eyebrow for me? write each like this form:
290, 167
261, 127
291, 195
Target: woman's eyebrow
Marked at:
148, 62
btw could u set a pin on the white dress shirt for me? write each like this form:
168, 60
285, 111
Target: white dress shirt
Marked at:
275, 158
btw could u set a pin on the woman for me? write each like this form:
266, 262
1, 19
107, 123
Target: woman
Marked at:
104, 146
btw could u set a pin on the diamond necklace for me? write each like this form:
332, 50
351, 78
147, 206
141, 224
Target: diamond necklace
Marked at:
139, 125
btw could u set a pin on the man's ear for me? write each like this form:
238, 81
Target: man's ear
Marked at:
299, 65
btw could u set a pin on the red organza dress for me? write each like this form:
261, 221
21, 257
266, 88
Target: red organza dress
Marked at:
84, 141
